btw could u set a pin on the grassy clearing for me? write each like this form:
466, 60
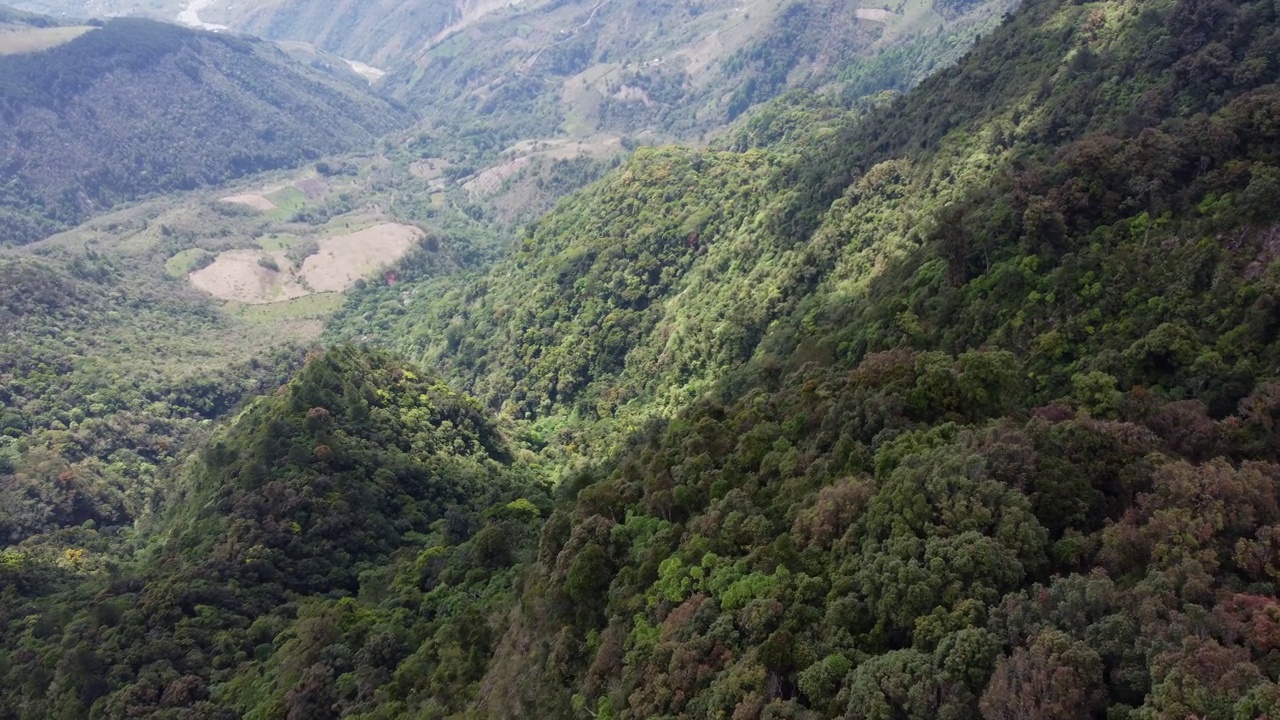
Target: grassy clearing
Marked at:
580, 105
15, 40
277, 241
452, 47
312, 307
347, 224
257, 202
187, 261
288, 202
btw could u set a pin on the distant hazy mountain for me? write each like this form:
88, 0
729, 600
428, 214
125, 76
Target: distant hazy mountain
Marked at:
579, 66
673, 66
377, 32
91, 116
512, 70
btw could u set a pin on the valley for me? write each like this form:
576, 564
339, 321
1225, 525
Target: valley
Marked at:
617, 359
269, 275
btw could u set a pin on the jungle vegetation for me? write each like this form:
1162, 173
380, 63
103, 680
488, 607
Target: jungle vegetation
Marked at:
953, 403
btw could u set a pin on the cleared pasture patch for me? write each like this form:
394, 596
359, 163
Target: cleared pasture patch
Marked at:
269, 275
240, 275
312, 188
187, 262
312, 309
876, 14
344, 259
277, 241
287, 201
17, 39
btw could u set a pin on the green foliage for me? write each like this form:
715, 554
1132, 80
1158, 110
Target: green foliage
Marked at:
959, 405
188, 261
106, 383
576, 270
303, 533
941, 409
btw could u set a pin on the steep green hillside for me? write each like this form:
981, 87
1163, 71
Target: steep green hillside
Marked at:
380, 34
375, 32
108, 375
159, 9
137, 107
13, 17
1011, 412
681, 265
361, 475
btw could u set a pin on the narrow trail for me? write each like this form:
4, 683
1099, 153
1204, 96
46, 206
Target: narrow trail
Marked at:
479, 12
528, 64
448, 32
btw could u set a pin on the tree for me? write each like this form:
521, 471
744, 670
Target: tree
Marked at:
1054, 678
312, 698
905, 684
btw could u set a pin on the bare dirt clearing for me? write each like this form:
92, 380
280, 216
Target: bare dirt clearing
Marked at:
344, 259
191, 16
488, 181
313, 188
239, 275
259, 277
874, 14
257, 202
368, 72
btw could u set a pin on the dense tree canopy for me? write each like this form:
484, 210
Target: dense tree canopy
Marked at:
959, 404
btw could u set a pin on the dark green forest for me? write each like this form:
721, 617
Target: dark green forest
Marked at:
955, 403
94, 414
136, 108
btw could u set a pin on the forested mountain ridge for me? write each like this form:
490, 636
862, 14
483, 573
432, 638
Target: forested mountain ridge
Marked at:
685, 253
1019, 323
956, 405
360, 471
105, 384
137, 107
